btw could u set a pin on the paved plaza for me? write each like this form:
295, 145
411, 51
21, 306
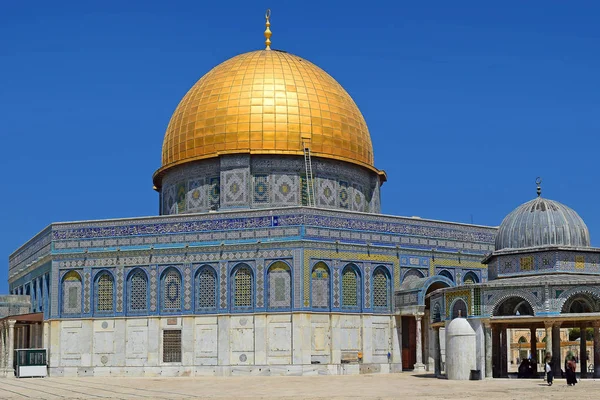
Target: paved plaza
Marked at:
392, 386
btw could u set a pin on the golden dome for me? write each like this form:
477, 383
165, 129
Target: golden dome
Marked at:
266, 102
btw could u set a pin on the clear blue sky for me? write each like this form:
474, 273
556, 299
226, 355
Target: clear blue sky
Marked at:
466, 102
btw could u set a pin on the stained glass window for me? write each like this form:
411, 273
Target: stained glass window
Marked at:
380, 289
280, 293
206, 285
138, 289
320, 286
349, 288
243, 288
71, 292
171, 291
105, 294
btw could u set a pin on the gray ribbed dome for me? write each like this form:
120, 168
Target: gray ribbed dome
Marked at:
542, 222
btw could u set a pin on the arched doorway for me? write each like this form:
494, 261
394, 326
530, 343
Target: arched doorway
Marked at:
410, 337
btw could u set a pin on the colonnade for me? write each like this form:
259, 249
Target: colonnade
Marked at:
496, 348
496, 341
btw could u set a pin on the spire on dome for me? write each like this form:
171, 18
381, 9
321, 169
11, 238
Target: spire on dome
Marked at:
268, 31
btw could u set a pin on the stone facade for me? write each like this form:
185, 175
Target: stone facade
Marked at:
258, 344
273, 291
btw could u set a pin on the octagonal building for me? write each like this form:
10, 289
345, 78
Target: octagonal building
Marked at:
270, 254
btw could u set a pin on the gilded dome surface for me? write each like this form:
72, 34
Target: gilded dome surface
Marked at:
267, 102
542, 222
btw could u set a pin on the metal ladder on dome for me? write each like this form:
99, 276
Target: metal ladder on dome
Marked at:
310, 189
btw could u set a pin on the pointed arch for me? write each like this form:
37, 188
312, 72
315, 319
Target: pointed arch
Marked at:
351, 283
137, 291
71, 293
412, 274
446, 274
104, 288
279, 286
320, 286
470, 278
513, 306
459, 309
242, 288
381, 289
171, 299
205, 289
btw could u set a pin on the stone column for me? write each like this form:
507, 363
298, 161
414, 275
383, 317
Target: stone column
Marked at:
548, 326
437, 353
596, 325
487, 330
503, 351
533, 350
419, 366
495, 350
556, 357
2, 350
46, 336
10, 371
583, 350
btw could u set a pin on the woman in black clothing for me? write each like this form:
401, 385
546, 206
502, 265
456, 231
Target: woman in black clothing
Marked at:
548, 366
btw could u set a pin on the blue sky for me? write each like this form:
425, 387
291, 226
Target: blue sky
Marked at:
467, 102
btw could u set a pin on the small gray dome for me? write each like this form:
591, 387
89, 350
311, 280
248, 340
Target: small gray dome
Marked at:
542, 222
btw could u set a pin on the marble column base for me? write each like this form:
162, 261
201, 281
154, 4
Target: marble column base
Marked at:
419, 367
7, 373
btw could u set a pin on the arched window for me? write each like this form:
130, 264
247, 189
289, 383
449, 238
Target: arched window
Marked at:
459, 309
171, 290
242, 288
71, 293
381, 289
411, 275
470, 278
320, 286
447, 274
350, 287
513, 306
279, 291
105, 292
138, 291
206, 289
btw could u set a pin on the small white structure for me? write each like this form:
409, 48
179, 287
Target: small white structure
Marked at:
460, 349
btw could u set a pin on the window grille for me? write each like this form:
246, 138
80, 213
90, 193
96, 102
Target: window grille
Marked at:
477, 301
105, 293
206, 289
380, 289
172, 291
172, 346
320, 286
71, 291
279, 279
243, 288
139, 291
349, 288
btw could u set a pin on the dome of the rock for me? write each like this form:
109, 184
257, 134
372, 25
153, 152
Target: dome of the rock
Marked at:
266, 102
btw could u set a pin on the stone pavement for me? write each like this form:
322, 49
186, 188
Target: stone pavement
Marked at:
392, 386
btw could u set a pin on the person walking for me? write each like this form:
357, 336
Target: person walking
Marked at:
570, 369
548, 366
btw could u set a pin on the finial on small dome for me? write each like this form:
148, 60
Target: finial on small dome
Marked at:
268, 31
538, 182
